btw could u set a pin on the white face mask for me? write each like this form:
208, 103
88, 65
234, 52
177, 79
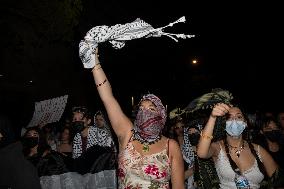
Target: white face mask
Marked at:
235, 128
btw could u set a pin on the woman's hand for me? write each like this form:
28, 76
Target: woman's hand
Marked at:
204, 147
220, 109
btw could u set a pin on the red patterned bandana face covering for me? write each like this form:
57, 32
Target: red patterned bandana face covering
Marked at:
149, 124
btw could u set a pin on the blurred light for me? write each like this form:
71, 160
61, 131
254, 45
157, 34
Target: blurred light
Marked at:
194, 61
1, 75
30, 81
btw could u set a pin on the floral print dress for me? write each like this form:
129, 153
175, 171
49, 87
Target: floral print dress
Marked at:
137, 171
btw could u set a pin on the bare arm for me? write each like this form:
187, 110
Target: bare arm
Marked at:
188, 173
269, 164
204, 147
120, 122
177, 167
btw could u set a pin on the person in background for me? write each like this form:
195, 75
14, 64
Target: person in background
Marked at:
271, 138
105, 130
93, 151
35, 145
51, 167
182, 136
15, 171
65, 147
280, 120
205, 175
65, 141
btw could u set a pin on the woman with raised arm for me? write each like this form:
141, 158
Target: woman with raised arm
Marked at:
239, 163
146, 158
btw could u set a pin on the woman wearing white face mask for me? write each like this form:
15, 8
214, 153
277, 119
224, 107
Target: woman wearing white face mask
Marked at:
239, 163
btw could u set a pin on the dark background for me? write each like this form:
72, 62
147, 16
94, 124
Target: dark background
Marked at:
238, 48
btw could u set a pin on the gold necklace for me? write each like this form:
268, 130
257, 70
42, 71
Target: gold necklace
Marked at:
239, 149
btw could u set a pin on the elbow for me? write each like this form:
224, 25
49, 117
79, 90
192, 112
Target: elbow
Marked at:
201, 154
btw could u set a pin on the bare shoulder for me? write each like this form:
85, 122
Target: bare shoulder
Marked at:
264, 154
260, 149
173, 143
269, 163
174, 146
217, 144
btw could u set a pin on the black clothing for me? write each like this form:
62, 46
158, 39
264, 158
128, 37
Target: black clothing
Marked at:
95, 159
6, 131
277, 156
15, 171
50, 164
68, 160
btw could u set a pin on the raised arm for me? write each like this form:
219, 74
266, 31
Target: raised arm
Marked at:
204, 147
121, 124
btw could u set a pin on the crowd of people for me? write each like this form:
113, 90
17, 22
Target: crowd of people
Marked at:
222, 147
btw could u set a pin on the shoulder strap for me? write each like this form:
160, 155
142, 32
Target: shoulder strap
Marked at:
234, 165
132, 136
168, 147
220, 145
259, 163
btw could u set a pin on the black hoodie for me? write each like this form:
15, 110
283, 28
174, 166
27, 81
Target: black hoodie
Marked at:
15, 171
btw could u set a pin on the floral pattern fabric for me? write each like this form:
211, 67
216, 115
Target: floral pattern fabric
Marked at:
137, 171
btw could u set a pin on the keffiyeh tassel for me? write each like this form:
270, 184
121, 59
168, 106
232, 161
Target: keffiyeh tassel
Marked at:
118, 34
171, 35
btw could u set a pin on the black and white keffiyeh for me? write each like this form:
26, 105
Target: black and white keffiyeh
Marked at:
96, 165
96, 136
118, 34
187, 151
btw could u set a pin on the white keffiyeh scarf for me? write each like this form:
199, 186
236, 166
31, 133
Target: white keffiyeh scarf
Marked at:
118, 34
186, 148
96, 136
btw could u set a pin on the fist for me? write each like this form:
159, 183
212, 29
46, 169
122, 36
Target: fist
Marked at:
220, 109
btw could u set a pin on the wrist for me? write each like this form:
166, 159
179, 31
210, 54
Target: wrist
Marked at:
213, 116
96, 67
205, 136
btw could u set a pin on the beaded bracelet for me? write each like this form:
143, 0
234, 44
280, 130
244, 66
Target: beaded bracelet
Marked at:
100, 84
206, 136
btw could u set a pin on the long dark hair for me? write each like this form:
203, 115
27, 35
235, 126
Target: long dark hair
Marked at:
246, 137
219, 132
70, 139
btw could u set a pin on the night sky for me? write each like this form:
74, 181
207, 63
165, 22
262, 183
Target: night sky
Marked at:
238, 48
